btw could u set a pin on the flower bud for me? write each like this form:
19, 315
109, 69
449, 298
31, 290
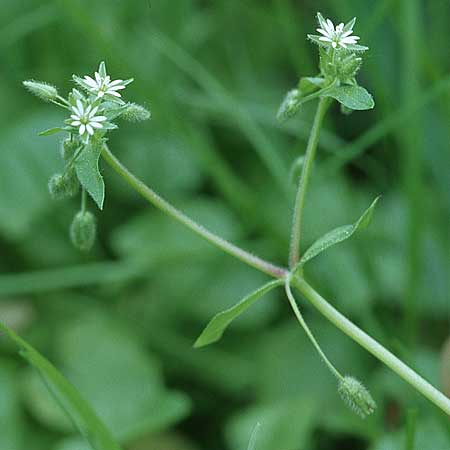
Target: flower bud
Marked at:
83, 231
290, 105
62, 186
135, 113
356, 396
43, 90
68, 148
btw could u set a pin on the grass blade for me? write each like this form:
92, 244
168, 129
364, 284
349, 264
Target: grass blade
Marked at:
77, 409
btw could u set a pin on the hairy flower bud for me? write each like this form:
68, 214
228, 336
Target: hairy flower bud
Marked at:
62, 186
83, 231
356, 396
290, 105
43, 90
135, 113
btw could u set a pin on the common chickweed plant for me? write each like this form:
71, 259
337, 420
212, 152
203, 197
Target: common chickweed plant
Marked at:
93, 108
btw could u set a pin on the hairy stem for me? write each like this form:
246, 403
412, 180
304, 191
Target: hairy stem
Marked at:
308, 332
372, 346
304, 179
163, 205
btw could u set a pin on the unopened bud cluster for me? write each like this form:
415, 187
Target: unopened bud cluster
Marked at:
91, 107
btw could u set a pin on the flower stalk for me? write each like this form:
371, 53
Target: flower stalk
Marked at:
304, 180
150, 195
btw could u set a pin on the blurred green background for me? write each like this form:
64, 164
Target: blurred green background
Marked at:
120, 322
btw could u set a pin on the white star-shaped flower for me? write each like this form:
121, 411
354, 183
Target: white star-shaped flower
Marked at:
86, 119
340, 36
336, 36
103, 85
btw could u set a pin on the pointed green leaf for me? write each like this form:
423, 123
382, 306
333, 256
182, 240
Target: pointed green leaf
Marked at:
338, 235
102, 69
88, 173
51, 131
216, 327
353, 97
70, 400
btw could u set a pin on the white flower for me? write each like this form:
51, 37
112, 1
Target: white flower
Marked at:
339, 36
103, 85
86, 119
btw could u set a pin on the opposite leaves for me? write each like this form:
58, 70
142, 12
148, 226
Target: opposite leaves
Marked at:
78, 410
216, 327
338, 235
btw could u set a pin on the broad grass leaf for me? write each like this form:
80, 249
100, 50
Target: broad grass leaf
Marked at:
338, 235
353, 97
219, 323
88, 172
80, 412
10, 411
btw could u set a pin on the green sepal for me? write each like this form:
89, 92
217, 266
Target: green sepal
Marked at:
67, 396
308, 85
338, 235
88, 172
352, 97
51, 131
218, 324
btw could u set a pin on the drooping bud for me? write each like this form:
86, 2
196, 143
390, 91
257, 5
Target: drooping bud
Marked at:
62, 186
68, 148
83, 231
356, 396
290, 105
43, 90
135, 113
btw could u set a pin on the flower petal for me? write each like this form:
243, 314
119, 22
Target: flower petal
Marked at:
90, 81
113, 83
322, 32
98, 119
82, 129
95, 124
89, 129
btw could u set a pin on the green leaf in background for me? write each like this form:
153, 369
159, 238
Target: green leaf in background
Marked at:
88, 173
216, 327
132, 379
10, 414
79, 411
353, 97
285, 425
338, 235
51, 131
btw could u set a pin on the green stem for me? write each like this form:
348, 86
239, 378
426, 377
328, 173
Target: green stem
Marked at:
304, 179
163, 205
372, 346
304, 325
83, 200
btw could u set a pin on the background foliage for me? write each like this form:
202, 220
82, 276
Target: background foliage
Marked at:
120, 322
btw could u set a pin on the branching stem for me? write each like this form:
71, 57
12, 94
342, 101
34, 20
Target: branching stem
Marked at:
372, 346
304, 288
176, 214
